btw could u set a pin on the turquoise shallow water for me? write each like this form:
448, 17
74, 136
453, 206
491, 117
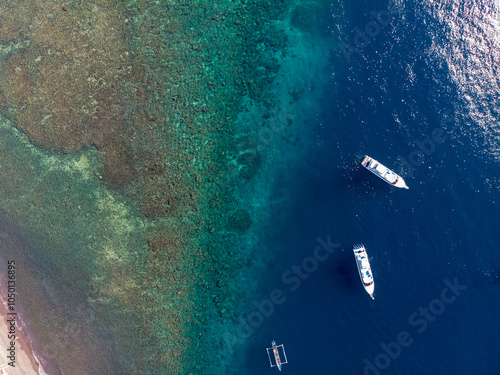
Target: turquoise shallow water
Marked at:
419, 96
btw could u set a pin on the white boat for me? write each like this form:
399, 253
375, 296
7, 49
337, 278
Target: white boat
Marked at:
383, 172
276, 354
364, 269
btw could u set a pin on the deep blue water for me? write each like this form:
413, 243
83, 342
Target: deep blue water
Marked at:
430, 72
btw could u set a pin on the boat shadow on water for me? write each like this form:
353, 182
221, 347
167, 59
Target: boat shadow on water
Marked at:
344, 274
357, 180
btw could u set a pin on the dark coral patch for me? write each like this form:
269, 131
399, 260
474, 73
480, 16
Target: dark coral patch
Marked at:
240, 221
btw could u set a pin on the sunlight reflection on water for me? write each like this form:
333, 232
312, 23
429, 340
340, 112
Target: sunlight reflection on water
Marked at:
472, 53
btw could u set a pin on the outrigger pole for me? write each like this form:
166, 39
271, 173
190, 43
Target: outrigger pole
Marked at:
268, 356
284, 354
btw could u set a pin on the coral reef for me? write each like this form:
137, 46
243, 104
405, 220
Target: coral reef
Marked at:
130, 108
66, 86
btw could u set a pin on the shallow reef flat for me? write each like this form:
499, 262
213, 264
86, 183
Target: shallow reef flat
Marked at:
119, 158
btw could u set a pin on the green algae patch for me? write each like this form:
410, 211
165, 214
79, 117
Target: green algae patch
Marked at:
31, 194
88, 232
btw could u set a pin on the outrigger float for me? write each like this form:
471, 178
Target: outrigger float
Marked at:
383, 172
276, 354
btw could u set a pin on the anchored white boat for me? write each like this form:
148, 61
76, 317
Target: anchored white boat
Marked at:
383, 172
364, 269
276, 354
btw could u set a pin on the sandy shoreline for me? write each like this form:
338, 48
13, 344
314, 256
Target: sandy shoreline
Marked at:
25, 362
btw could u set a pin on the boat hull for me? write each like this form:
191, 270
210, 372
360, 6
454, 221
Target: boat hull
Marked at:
276, 355
364, 269
384, 173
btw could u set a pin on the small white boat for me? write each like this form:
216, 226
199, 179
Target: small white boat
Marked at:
276, 354
383, 172
364, 269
